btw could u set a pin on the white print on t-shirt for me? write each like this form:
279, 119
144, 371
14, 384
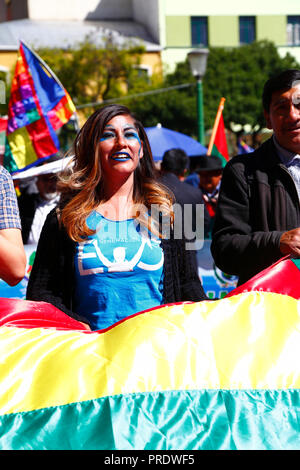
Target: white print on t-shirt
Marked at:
120, 263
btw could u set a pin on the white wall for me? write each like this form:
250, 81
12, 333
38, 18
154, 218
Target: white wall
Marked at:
147, 13
294, 51
170, 57
79, 9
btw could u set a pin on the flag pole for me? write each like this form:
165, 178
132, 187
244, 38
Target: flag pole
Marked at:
50, 71
44, 64
216, 123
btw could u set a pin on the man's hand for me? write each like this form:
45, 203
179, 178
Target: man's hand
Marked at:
290, 242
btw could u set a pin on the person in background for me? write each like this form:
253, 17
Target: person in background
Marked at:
12, 254
34, 206
102, 254
258, 214
210, 171
174, 166
192, 177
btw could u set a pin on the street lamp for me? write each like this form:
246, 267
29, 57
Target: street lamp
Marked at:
198, 59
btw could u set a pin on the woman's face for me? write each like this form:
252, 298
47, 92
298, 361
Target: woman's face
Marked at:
120, 146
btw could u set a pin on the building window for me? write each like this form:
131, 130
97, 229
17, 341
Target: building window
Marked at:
247, 29
143, 71
199, 31
293, 30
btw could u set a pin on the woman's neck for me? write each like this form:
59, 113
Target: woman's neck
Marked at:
118, 202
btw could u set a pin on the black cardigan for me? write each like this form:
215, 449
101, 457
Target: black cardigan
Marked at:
52, 276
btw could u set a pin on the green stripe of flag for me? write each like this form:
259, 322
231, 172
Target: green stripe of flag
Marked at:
216, 152
174, 420
9, 162
296, 261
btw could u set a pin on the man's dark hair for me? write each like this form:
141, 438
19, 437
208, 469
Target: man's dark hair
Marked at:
282, 81
175, 161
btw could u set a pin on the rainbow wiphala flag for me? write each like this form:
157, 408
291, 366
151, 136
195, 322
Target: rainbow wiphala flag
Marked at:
210, 375
38, 106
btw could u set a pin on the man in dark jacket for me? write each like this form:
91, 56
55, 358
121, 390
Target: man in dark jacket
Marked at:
173, 171
258, 213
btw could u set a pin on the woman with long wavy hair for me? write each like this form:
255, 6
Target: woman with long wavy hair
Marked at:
103, 254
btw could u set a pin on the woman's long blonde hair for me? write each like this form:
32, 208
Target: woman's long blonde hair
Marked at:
82, 189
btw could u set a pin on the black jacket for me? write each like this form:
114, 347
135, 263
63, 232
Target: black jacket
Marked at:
186, 194
258, 202
52, 276
28, 203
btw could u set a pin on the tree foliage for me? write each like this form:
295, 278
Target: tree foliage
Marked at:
172, 108
94, 74
91, 73
237, 74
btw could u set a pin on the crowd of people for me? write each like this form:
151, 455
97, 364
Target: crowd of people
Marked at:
106, 229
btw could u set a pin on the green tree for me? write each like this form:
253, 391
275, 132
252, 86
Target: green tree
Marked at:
91, 73
238, 74
171, 107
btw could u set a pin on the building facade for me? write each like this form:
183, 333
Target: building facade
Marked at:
65, 23
192, 23
168, 28
172, 27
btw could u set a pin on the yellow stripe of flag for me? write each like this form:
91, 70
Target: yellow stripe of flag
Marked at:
251, 340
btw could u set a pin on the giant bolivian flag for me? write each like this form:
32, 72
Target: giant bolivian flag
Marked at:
219, 374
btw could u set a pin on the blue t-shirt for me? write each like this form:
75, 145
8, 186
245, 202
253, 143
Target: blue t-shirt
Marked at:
118, 271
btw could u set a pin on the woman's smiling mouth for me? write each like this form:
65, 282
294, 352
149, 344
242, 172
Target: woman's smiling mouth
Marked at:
120, 156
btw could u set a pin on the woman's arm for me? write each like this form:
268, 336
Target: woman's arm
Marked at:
12, 256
